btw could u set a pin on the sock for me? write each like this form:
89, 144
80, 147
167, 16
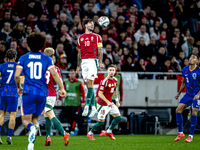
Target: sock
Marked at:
0, 129
115, 122
89, 96
94, 108
58, 125
29, 126
193, 124
90, 133
179, 121
191, 136
48, 127
10, 132
73, 125
93, 102
109, 131
97, 126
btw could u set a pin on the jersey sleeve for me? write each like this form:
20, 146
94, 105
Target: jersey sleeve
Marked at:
78, 43
99, 41
49, 63
58, 71
20, 63
102, 86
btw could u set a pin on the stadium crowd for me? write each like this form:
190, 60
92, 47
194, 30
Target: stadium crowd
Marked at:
143, 35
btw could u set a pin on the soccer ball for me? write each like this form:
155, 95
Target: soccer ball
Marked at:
104, 21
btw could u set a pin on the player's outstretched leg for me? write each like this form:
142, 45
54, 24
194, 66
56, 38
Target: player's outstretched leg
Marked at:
94, 110
32, 136
48, 131
90, 93
115, 122
90, 134
179, 121
11, 127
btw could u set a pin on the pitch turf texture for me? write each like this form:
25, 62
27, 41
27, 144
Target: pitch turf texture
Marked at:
122, 142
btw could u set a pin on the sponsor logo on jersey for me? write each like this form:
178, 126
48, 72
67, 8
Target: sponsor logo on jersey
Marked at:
86, 39
82, 39
109, 85
92, 38
194, 75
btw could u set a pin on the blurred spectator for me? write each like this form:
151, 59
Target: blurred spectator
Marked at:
15, 19
129, 65
23, 49
174, 48
134, 52
92, 3
29, 21
59, 50
108, 53
167, 68
30, 6
29, 30
41, 8
117, 55
73, 31
6, 18
1, 9
88, 10
152, 66
181, 57
121, 38
163, 43
146, 12
195, 51
144, 21
152, 47
107, 62
3, 47
142, 33
185, 63
64, 30
174, 24
164, 27
20, 30
49, 39
76, 10
167, 11
161, 56
128, 43
155, 29
177, 33
77, 22
103, 3
20, 7
130, 32
126, 54
65, 10
53, 29
9, 7
143, 50
6, 30
62, 62
140, 66
113, 6
188, 46
55, 13
175, 64
121, 25
154, 17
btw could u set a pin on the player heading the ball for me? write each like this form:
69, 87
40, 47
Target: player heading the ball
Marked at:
90, 57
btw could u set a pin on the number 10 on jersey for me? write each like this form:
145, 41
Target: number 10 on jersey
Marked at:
35, 70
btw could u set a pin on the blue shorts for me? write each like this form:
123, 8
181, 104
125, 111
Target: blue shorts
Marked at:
32, 104
189, 100
9, 104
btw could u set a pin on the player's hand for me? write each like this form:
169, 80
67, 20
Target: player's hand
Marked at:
19, 90
101, 65
176, 97
82, 105
96, 99
110, 104
62, 93
77, 70
196, 97
117, 104
121, 102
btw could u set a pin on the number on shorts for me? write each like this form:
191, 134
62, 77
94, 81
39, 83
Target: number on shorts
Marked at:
87, 43
102, 112
10, 75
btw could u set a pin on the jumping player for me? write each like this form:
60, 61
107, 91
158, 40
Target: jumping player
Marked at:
191, 80
50, 101
107, 88
89, 53
34, 65
9, 95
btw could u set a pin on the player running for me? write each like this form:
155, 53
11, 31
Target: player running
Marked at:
50, 101
9, 95
89, 53
191, 80
107, 88
34, 65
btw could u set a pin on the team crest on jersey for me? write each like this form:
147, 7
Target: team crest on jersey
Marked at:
92, 38
82, 39
109, 85
194, 75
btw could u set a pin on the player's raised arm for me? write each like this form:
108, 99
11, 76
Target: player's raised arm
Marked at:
78, 60
58, 80
181, 89
100, 94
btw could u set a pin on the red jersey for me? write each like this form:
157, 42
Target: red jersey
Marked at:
88, 44
107, 86
51, 83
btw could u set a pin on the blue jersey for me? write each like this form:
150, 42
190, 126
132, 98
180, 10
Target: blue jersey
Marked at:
192, 80
34, 67
8, 87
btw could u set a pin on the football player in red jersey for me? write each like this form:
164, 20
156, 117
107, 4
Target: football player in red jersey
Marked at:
90, 57
50, 101
107, 89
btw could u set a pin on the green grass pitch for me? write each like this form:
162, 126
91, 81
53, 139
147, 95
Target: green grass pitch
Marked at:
122, 142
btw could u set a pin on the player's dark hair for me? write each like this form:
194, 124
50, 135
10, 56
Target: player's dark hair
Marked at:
195, 55
36, 41
87, 20
110, 66
11, 54
72, 70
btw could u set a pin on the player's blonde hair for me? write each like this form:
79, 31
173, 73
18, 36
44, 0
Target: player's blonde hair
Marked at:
49, 51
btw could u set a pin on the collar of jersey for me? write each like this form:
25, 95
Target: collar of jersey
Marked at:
10, 61
193, 69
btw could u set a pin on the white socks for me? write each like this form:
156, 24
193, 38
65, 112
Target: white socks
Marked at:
191, 136
180, 132
94, 108
90, 133
109, 131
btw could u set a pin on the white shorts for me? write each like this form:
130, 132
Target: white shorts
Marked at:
89, 69
50, 102
104, 110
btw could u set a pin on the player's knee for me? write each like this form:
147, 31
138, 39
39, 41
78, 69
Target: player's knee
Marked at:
118, 119
178, 110
12, 121
194, 112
